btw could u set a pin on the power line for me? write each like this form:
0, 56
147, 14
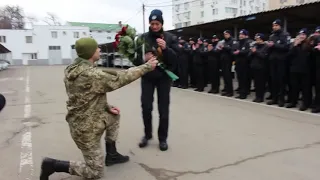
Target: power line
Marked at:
169, 5
165, 2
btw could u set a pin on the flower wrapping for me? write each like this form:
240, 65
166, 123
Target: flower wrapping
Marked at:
130, 45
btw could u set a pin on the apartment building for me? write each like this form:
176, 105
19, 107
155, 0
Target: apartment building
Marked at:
276, 4
191, 12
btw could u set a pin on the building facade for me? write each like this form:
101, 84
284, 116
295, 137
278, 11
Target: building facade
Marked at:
191, 12
102, 33
276, 4
42, 45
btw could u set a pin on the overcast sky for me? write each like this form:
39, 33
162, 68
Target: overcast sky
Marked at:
99, 11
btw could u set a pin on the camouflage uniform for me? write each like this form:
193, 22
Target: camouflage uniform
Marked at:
86, 86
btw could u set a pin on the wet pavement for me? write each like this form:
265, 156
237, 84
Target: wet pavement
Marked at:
210, 137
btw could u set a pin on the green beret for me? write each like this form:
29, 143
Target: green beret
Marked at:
86, 47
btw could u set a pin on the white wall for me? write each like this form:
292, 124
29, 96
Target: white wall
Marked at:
243, 7
16, 42
103, 37
41, 40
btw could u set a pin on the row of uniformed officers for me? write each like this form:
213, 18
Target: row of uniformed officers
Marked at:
277, 65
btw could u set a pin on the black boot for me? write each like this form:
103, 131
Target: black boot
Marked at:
316, 109
291, 105
113, 157
163, 146
144, 142
50, 166
241, 96
272, 102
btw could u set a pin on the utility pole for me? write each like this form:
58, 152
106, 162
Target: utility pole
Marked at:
144, 29
144, 17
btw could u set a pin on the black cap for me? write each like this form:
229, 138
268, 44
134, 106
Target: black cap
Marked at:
227, 31
156, 15
277, 22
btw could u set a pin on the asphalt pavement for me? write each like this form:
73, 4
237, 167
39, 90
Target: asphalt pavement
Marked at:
210, 137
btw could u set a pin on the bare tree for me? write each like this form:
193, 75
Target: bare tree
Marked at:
31, 20
52, 19
12, 17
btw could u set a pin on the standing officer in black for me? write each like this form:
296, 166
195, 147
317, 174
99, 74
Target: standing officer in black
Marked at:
279, 43
198, 64
183, 63
191, 67
226, 58
242, 63
167, 43
299, 66
259, 66
316, 51
214, 67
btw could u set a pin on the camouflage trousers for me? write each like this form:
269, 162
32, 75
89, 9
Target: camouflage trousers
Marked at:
90, 145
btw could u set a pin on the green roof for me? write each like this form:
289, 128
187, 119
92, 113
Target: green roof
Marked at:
97, 26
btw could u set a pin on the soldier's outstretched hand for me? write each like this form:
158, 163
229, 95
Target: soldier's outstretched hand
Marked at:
153, 61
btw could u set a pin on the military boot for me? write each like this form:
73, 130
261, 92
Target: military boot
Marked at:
50, 166
113, 157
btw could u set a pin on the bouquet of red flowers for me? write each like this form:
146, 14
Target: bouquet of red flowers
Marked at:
128, 43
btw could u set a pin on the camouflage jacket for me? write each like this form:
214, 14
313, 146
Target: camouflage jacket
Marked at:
87, 85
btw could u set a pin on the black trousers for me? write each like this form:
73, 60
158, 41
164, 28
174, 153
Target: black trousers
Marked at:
226, 66
183, 72
260, 79
191, 72
177, 72
163, 86
206, 71
199, 75
242, 70
278, 75
317, 97
300, 82
214, 74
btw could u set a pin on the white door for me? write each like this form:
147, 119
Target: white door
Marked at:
25, 58
55, 55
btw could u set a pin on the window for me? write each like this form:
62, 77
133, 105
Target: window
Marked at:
186, 5
177, 7
84, 33
64, 33
28, 39
76, 34
54, 48
233, 1
54, 34
3, 39
34, 56
202, 14
231, 10
214, 11
178, 25
108, 37
202, 4
187, 15
186, 24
